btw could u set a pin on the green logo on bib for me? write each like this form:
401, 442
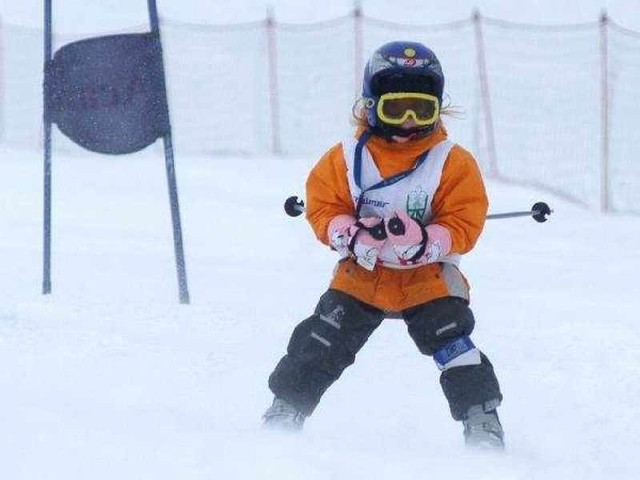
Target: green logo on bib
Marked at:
417, 204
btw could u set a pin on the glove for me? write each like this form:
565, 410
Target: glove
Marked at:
414, 243
362, 239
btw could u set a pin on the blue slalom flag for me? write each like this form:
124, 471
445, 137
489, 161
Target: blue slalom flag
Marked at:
107, 94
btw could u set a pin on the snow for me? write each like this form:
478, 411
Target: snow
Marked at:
110, 377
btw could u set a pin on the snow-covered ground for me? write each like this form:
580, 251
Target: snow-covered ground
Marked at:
110, 377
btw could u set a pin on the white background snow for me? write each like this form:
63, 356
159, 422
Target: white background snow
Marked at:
109, 377
83, 15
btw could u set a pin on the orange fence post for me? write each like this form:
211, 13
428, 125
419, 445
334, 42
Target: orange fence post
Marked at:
274, 100
604, 106
358, 41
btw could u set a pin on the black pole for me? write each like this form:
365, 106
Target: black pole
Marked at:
46, 250
153, 16
539, 212
175, 220
170, 168
496, 216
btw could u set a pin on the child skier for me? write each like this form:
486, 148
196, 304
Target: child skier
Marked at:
400, 204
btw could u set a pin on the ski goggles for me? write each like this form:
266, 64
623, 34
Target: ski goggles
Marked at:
396, 108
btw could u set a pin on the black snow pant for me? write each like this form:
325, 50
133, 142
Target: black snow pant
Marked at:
325, 344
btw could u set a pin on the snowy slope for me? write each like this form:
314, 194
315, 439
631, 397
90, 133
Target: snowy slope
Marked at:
110, 377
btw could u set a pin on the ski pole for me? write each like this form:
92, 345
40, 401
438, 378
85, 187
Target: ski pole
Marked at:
294, 207
539, 212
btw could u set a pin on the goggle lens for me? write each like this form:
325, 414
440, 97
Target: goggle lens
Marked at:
396, 108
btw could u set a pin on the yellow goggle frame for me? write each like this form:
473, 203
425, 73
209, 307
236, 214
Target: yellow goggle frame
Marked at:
389, 99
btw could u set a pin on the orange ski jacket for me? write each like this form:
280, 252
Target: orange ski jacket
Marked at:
460, 204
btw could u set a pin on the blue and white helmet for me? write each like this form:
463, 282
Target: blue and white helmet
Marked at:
400, 67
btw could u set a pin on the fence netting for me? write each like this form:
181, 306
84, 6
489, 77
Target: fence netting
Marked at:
624, 115
552, 107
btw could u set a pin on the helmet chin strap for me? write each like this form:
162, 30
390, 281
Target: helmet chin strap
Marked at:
388, 132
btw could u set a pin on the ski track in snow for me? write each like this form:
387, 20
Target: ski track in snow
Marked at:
109, 377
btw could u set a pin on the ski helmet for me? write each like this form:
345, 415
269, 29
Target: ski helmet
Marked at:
400, 67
